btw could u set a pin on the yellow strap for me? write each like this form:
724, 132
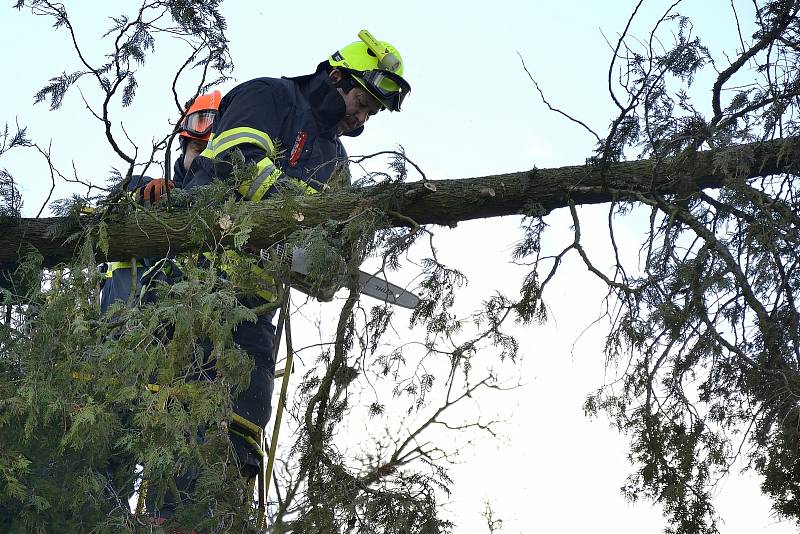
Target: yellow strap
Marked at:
250, 441
250, 432
276, 428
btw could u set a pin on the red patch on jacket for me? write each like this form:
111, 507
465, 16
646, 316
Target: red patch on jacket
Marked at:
297, 149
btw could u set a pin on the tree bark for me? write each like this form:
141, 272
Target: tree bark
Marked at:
442, 202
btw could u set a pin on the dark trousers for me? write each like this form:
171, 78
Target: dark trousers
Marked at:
254, 403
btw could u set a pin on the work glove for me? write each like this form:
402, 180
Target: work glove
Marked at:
153, 191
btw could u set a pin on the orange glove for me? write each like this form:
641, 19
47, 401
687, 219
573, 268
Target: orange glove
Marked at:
154, 190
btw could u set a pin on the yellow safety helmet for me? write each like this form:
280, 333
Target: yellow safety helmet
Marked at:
375, 65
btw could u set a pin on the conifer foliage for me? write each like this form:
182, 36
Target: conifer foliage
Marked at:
704, 321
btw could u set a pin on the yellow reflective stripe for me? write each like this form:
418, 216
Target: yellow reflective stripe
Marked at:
237, 136
250, 135
207, 152
250, 441
257, 189
267, 175
114, 265
251, 432
248, 425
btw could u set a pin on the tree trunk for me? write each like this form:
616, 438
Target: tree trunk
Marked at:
443, 202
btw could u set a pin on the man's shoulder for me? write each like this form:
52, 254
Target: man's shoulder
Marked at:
279, 86
266, 80
258, 92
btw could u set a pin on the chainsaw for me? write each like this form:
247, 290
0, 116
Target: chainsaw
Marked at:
373, 285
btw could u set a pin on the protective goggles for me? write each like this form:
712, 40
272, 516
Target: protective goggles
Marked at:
389, 88
198, 123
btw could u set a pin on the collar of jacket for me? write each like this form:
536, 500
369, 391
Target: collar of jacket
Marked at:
327, 104
178, 172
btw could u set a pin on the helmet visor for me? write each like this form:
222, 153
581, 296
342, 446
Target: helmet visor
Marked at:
198, 124
389, 88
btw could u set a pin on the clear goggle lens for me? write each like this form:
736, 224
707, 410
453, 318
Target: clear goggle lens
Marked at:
199, 123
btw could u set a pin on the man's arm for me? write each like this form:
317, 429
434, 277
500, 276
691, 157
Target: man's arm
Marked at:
250, 121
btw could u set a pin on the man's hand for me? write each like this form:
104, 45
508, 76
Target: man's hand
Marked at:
154, 190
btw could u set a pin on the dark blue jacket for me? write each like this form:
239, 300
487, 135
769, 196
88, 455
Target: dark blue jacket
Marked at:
286, 127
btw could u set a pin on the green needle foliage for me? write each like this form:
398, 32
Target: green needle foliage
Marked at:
704, 325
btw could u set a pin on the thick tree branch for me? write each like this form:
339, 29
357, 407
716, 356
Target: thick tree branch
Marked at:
444, 202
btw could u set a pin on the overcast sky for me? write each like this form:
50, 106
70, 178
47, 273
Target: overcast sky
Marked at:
472, 112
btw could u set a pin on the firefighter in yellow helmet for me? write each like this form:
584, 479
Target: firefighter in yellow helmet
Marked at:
289, 129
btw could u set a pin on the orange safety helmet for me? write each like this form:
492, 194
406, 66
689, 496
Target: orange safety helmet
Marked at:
200, 117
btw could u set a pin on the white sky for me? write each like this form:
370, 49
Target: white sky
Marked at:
472, 112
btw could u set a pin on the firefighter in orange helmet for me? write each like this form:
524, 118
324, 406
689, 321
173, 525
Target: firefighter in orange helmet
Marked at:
195, 131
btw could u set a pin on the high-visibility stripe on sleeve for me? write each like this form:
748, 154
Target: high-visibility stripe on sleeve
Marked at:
257, 188
237, 136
